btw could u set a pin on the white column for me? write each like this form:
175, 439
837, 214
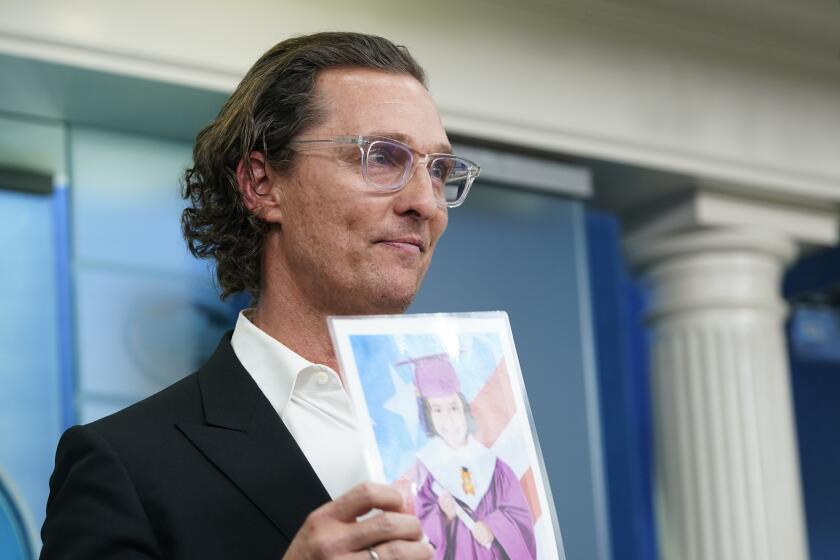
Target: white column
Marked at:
727, 470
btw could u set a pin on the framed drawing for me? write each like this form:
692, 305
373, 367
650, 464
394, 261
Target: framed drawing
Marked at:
445, 419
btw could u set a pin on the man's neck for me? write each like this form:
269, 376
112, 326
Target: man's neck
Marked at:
287, 313
300, 328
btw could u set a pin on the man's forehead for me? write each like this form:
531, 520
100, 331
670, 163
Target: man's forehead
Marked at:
379, 103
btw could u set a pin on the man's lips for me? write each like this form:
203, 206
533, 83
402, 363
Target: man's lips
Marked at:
408, 244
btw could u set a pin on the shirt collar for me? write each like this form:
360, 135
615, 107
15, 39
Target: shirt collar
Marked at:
273, 365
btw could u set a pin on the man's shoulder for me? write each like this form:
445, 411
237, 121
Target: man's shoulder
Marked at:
177, 401
150, 423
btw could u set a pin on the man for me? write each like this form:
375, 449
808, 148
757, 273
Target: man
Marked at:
314, 191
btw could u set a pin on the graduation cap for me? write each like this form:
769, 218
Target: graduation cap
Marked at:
434, 375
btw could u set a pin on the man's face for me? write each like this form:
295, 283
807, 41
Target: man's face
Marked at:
347, 248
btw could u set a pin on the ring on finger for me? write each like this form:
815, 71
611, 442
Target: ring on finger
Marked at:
373, 554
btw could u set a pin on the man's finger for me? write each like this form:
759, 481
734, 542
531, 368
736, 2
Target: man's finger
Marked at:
408, 550
387, 526
363, 498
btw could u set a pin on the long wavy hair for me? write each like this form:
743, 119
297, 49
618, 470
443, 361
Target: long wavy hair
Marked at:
272, 105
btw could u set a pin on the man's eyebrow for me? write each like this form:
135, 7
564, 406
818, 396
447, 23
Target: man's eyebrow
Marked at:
409, 141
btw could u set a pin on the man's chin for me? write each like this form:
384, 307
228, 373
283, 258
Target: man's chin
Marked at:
391, 303
393, 293
383, 301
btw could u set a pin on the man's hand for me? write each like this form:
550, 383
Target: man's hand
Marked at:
447, 504
331, 531
483, 534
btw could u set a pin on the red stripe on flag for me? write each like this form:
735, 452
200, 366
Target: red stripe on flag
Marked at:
493, 407
529, 488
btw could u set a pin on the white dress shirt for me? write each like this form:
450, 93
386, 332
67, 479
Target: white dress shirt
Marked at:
310, 400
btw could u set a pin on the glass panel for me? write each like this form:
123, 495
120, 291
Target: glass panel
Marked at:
139, 332
126, 200
15, 543
30, 399
147, 311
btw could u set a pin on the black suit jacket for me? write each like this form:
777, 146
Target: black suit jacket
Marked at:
204, 469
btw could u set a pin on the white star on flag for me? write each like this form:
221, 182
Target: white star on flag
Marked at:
403, 403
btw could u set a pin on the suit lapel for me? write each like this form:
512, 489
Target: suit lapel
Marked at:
247, 441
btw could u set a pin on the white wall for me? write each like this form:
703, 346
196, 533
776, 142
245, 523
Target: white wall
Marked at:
584, 78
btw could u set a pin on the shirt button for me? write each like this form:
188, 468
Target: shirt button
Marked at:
323, 377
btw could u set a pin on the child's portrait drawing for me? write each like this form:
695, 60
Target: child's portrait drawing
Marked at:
448, 427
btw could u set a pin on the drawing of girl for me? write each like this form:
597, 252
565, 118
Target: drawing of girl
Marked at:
470, 502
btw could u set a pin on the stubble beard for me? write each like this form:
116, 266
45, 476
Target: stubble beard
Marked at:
374, 294
370, 287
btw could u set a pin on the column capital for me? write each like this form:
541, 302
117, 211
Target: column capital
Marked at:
646, 251
712, 251
712, 270
807, 226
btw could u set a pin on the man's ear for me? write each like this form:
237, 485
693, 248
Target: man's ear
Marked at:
257, 183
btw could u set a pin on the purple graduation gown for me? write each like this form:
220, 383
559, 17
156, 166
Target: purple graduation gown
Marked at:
503, 508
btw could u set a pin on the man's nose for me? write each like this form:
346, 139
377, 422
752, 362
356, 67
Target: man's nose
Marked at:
419, 195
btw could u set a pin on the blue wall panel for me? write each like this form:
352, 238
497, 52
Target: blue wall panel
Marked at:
625, 392
816, 395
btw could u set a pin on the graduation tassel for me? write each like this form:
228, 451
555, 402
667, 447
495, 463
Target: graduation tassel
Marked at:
466, 482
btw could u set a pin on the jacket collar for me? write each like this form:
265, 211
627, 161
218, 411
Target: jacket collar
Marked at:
245, 438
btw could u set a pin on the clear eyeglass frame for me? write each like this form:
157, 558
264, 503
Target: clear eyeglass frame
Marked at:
451, 175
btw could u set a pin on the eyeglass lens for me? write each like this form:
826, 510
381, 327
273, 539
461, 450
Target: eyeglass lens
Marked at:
389, 165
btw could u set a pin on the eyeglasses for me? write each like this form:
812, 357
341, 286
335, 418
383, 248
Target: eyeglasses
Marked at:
388, 165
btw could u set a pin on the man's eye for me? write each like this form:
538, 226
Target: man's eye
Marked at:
440, 170
384, 157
